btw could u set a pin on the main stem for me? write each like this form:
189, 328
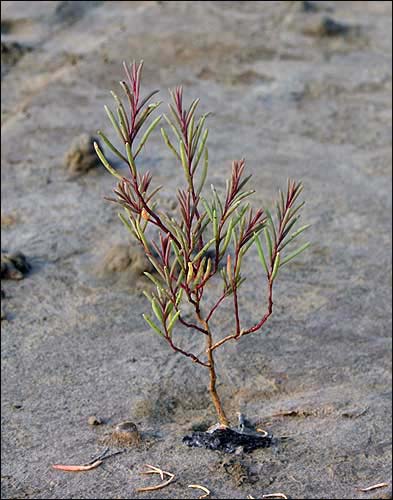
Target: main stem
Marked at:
212, 386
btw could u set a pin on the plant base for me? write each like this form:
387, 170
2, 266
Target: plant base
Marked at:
228, 440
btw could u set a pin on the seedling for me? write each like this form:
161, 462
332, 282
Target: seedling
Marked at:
210, 236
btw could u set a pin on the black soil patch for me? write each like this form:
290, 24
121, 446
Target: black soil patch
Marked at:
228, 440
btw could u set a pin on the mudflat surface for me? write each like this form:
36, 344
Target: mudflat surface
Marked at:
296, 99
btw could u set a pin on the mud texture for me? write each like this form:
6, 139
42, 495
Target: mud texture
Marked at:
301, 90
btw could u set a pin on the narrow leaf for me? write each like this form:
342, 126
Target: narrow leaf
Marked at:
295, 253
152, 325
275, 266
145, 136
260, 252
105, 162
111, 146
169, 144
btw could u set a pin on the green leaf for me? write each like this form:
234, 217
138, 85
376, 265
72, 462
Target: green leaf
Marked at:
201, 148
203, 251
193, 107
204, 173
215, 224
152, 325
275, 266
173, 321
120, 105
190, 130
201, 269
131, 160
157, 310
295, 253
173, 127
145, 136
128, 225
169, 144
270, 219
111, 146
268, 242
217, 198
115, 124
260, 252
207, 208
105, 162
184, 162
154, 280
295, 235
227, 238
123, 123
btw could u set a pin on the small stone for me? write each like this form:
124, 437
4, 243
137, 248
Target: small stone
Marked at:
81, 157
327, 27
93, 420
14, 266
126, 434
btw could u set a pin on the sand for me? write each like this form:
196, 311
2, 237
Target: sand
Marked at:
297, 97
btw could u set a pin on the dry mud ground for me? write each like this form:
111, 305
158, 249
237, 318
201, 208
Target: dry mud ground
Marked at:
296, 100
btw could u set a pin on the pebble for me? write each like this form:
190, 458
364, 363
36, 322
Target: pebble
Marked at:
126, 434
14, 266
93, 420
81, 157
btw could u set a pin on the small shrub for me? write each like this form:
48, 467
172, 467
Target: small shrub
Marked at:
209, 238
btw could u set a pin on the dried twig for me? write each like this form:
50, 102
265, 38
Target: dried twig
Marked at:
275, 495
77, 468
373, 487
162, 473
199, 487
262, 431
94, 462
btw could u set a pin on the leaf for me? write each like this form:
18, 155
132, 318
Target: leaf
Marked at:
260, 252
275, 266
207, 208
105, 162
184, 162
169, 144
198, 132
173, 127
204, 173
268, 242
156, 309
128, 225
115, 124
111, 146
154, 280
201, 147
131, 160
123, 123
120, 105
215, 224
295, 253
227, 238
217, 198
295, 235
152, 325
203, 251
173, 321
270, 219
145, 136
192, 109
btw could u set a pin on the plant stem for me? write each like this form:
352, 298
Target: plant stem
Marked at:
222, 418
212, 386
